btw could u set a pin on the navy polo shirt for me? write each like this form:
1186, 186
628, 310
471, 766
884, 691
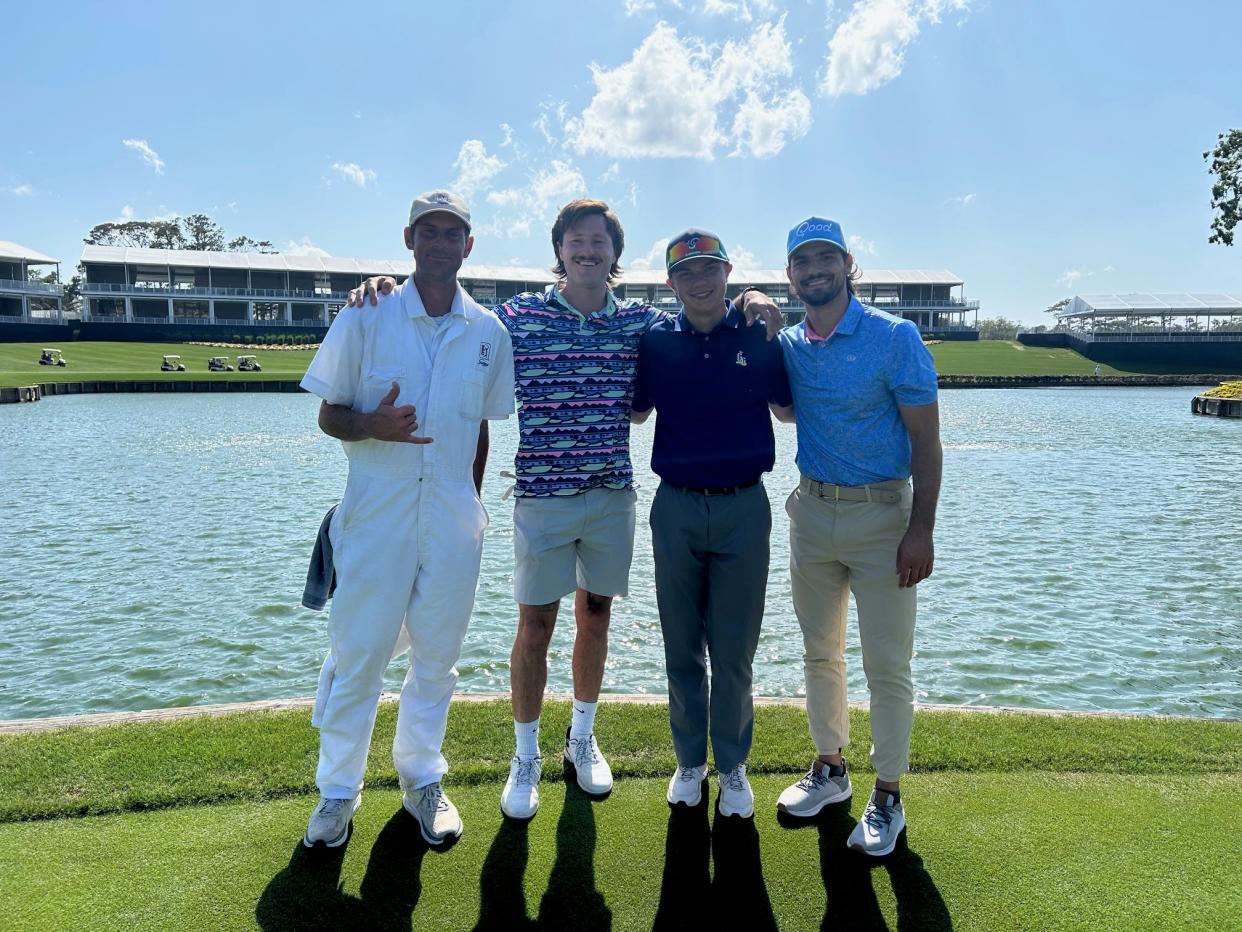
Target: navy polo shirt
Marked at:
711, 393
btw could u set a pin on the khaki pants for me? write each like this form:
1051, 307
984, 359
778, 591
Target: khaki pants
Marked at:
838, 547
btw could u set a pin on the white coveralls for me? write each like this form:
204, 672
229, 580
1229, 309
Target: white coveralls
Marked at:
408, 535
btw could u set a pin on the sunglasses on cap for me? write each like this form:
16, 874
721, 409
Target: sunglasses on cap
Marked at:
694, 246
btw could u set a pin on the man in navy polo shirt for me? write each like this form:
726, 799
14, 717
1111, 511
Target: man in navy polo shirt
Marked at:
712, 379
865, 390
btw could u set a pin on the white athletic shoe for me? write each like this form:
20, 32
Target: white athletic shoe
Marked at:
686, 787
437, 816
877, 833
819, 788
520, 797
736, 797
329, 823
592, 770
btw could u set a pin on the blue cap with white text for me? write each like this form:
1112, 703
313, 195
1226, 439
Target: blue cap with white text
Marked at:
815, 230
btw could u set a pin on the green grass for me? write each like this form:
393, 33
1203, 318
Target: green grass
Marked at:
1003, 357
89, 362
141, 362
1017, 821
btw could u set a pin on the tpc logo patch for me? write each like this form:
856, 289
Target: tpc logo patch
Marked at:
485, 355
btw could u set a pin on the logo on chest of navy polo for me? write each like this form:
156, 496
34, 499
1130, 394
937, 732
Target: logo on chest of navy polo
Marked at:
741, 359
485, 355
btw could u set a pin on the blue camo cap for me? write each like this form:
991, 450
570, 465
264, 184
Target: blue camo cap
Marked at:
815, 230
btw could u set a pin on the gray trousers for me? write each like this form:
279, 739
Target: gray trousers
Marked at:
711, 572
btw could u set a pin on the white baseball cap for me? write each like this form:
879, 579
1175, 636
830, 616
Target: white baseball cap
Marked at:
445, 202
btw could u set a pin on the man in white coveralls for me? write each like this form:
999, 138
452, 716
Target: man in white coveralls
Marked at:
409, 388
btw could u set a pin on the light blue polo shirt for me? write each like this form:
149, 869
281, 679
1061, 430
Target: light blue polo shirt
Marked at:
846, 392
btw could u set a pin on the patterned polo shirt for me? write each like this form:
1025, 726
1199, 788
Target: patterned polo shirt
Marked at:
574, 376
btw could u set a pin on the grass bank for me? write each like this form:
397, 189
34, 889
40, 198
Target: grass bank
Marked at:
141, 362
1017, 821
123, 362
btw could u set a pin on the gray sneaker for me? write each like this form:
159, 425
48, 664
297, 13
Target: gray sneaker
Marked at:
329, 823
736, 797
437, 816
877, 833
819, 788
686, 786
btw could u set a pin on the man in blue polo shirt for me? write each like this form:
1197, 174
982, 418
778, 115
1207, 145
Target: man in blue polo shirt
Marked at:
864, 388
712, 379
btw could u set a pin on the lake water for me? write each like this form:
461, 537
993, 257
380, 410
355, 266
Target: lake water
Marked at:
155, 548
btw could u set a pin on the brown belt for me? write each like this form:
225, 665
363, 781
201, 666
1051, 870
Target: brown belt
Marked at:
848, 493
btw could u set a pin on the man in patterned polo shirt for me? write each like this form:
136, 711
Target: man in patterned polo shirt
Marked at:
575, 351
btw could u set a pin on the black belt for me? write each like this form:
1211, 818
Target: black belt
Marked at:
719, 490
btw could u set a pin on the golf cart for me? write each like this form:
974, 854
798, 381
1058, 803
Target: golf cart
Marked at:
248, 364
172, 363
219, 364
52, 357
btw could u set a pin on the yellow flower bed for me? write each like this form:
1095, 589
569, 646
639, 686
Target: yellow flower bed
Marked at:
1225, 390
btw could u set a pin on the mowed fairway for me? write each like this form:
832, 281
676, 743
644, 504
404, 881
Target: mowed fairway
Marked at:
123, 362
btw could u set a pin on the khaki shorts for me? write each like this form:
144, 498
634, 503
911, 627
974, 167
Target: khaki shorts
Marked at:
583, 541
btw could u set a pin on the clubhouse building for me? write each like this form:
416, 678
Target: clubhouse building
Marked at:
179, 291
24, 297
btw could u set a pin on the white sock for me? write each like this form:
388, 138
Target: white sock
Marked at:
527, 738
584, 719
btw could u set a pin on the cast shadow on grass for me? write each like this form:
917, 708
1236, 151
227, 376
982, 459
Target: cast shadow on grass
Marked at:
307, 893
847, 877
734, 895
571, 900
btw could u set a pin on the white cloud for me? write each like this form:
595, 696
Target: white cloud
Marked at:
743, 258
303, 247
548, 188
127, 214
634, 7
961, 200
612, 173
868, 48
634, 115
149, 155
764, 128
743, 10
1070, 276
475, 168
654, 259
352, 171
550, 110
21, 190
508, 134
860, 246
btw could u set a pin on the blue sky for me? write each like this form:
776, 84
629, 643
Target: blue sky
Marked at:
1037, 149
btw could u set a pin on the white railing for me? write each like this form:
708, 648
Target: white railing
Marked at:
17, 319
10, 284
187, 291
1162, 336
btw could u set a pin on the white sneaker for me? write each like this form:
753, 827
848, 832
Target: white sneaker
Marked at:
437, 816
329, 823
877, 833
520, 797
686, 787
594, 774
819, 788
736, 798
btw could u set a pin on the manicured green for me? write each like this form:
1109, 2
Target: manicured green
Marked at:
91, 362
141, 362
1005, 357
1017, 821
256, 756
